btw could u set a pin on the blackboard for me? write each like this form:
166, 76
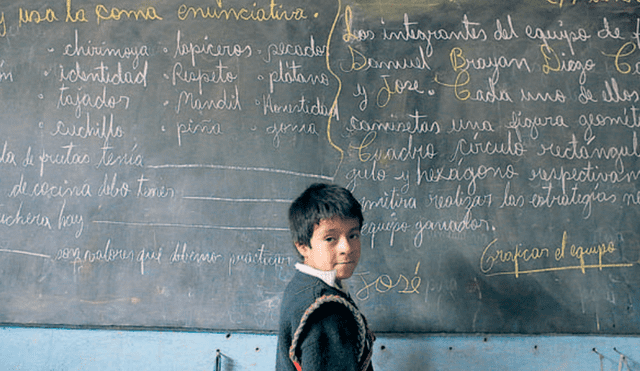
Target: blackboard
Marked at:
149, 152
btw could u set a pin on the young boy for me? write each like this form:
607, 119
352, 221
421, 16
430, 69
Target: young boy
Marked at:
320, 326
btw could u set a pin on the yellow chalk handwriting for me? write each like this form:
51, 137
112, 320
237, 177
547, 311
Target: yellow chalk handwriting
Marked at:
384, 283
492, 259
561, 3
35, 16
624, 51
600, 250
3, 26
459, 64
273, 12
549, 55
559, 254
348, 20
358, 60
387, 91
553, 63
501, 256
79, 15
366, 142
116, 14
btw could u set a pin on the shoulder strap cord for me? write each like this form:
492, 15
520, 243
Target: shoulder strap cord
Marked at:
364, 335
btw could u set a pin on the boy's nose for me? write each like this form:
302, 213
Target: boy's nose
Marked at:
344, 245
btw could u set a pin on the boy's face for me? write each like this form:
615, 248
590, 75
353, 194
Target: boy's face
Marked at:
335, 244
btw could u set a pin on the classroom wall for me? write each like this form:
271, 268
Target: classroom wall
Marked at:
484, 138
493, 145
72, 349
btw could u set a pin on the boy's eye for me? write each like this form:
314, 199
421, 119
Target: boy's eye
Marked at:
329, 239
355, 236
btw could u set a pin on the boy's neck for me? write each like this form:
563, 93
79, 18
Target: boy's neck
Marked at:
328, 277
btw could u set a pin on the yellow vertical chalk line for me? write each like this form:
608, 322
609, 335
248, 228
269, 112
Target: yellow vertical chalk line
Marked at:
335, 100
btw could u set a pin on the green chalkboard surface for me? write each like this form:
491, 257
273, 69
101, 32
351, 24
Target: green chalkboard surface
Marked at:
149, 152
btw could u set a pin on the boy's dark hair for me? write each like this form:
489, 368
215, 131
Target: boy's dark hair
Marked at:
321, 201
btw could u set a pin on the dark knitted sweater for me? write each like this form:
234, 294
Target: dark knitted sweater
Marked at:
321, 329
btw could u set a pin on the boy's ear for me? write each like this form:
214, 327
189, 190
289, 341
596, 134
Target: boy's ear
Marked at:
302, 249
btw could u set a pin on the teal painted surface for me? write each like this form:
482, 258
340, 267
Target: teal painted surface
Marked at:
62, 349
67, 349
525, 353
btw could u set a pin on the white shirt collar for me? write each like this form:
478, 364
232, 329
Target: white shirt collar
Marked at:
328, 277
